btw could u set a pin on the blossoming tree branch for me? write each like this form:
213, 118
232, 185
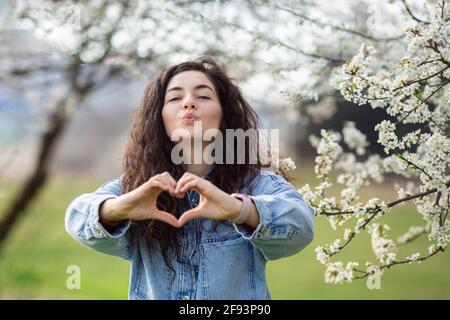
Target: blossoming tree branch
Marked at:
412, 90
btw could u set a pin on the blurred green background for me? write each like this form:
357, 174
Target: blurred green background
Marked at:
34, 262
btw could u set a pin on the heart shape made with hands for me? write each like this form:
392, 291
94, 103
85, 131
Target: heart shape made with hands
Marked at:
213, 203
169, 217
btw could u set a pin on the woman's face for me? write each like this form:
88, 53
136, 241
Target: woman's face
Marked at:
190, 96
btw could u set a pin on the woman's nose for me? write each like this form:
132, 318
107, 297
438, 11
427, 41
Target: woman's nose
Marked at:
189, 105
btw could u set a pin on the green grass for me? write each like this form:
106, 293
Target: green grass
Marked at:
34, 261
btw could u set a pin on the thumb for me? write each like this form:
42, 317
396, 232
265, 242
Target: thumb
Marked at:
189, 215
167, 218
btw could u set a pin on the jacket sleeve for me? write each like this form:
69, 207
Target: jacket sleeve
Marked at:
286, 221
82, 222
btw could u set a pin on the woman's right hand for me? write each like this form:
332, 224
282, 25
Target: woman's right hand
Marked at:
140, 203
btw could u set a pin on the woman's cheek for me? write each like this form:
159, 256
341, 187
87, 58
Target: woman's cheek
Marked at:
214, 116
168, 120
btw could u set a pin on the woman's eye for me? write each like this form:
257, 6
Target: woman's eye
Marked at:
176, 98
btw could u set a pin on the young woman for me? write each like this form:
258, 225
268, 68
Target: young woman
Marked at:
192, 230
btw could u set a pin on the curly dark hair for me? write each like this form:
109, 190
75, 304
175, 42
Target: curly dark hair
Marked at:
149, 148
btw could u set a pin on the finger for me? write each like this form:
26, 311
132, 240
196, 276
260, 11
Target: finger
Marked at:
169, 183
161, 185
185, 176
173, 184
189, 215
152, 183
189, 184
167, 177
180, 182
167, 218
163, 178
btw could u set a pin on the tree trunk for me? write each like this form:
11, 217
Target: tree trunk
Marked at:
58, 121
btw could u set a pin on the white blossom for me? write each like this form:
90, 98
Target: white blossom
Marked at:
386, 135
347, 233
287, 164
322, 255
414, 257
385, 249
336, 272
412, 233
354, 138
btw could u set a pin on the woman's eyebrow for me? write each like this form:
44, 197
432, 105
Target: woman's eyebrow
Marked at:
200, 86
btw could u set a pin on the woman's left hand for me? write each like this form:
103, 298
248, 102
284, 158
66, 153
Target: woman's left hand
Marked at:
214, 203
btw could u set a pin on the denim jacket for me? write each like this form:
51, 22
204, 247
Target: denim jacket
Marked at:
226, 263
